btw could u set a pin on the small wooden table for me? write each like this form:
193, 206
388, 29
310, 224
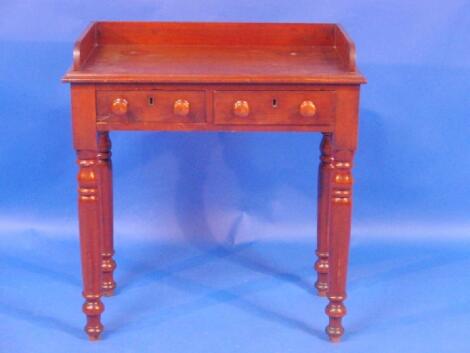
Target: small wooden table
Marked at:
214, 77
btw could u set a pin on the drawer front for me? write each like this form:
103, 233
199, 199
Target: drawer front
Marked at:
274, 107
151, 106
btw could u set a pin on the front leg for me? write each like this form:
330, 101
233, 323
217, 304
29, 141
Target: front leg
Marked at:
90, 240
340, 230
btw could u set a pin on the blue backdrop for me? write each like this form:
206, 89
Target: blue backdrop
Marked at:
231, 191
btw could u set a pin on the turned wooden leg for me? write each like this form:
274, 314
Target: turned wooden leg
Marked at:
323, 208
90, 240
108, 265
340, 229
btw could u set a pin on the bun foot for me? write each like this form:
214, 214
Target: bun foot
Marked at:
108, 293
335, 339
334, 333
108, 288
94, 332
94, 337
322, 288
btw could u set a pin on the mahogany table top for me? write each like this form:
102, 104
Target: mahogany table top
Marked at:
214, 52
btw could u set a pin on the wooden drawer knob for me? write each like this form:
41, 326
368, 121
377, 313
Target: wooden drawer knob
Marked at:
307, 109
241, 108
181, 107
119, 106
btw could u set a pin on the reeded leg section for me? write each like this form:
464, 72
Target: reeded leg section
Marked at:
323, 214
90, 240
108, 265
340, 229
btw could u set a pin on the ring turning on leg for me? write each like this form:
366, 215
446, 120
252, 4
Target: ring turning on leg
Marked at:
93, 308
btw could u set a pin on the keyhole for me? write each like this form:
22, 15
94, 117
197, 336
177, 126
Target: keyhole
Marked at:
150, 100
274, 103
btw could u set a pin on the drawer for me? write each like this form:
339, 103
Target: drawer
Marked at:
274, 107
151, 106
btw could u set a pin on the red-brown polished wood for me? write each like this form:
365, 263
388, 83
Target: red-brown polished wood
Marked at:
214, 52
89, 206
323, 214
158, 76
108, 265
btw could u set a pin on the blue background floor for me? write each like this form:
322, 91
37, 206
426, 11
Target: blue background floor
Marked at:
215, 232
253, 297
